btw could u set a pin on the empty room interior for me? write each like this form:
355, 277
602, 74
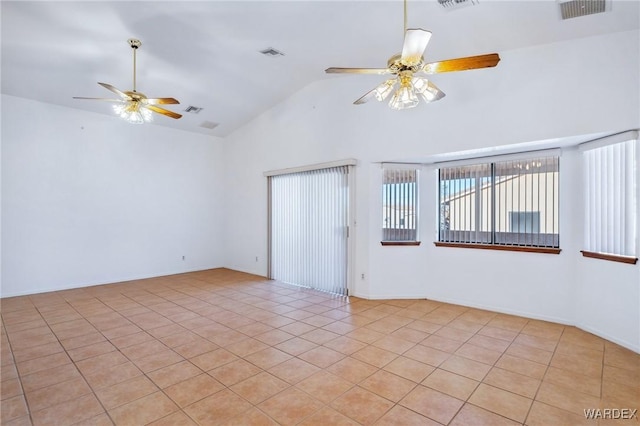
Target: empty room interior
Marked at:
416, 212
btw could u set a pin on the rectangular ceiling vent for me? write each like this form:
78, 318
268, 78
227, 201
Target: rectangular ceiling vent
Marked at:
575, 8
209, 124
456, 4
270, 51
193, 109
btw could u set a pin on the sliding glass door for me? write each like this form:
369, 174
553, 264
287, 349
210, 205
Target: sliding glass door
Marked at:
309, 228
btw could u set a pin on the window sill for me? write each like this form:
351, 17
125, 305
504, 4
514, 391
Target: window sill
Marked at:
400, 243
611, 257
547, 250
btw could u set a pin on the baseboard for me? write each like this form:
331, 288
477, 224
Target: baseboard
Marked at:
635, 348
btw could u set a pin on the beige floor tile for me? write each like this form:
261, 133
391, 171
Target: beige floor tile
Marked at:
174, 419
345, 345
321, 356
13, 408
513, 382
362, 405
144, 410
327, 416
125, 392
545, 415
214, 359
478, 353
409, 369
234, 372
427, 355
466, 367
566, 399
69, 412
499, 401
432, 404
451, 384
574, 381
296, 346
470, 415
290, 406
576, 364
56, 394
393, 344
10, 388
251, 417
441, 343
522, 366
400, 415
293, 356
293, 370
175, 373
259, 387
42, 363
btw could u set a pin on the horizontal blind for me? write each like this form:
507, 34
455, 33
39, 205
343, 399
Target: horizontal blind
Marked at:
309, 225
400, 204
610, 199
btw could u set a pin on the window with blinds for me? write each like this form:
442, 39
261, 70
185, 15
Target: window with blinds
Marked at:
610, 196
504, 203
400, 205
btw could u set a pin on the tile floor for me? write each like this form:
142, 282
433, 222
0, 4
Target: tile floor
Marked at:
223, 347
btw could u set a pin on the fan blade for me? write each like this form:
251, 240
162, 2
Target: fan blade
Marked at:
380, 92
163, 111
378, 71
160, 101
462, 64
100, 99
415, 42
366, 98
116, 91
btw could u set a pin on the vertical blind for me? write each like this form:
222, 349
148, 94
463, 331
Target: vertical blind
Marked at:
309, 218
512, 202
399, 205
610, 198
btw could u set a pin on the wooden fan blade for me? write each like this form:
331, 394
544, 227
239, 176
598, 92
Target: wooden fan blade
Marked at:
415, 42
115, 90
160, 101
100, 99
462, 64
163, 111
378, 71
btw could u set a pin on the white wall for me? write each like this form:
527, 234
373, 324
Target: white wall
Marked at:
90, 199
559, 90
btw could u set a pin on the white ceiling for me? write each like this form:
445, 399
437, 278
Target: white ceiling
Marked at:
205, 53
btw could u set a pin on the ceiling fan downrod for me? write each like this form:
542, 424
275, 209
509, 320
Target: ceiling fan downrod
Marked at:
135, 44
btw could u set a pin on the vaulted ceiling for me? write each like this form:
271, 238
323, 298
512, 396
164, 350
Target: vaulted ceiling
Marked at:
206, 53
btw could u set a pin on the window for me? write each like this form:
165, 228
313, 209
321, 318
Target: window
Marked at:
399, 206
504, 203
610, 199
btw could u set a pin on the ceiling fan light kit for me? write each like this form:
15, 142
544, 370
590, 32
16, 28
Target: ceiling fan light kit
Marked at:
408, 67
134, 106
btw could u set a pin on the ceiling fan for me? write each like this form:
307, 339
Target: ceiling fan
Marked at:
134, 106
408, 68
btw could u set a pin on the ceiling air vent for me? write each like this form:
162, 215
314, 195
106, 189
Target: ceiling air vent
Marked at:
209, 124
456, 4
270, 51
575, 8
193, 109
